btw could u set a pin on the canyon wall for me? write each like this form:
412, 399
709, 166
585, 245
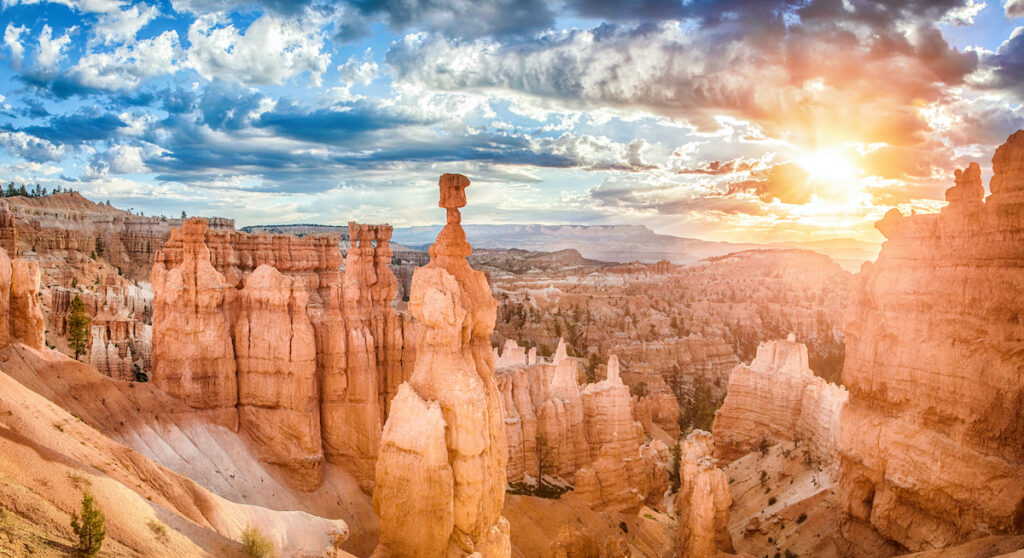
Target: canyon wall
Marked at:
778, 398
440, 477
265, 332
932, 444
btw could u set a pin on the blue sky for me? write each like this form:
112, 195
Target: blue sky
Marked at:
763, 120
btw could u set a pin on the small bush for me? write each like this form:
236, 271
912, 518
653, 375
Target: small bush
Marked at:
88, 528
256, 544
764, 477
771, 500
801, 518
790, 554
158, 529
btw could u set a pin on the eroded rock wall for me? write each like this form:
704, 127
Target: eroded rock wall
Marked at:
778, 398
304, 357
703, 499
932, 444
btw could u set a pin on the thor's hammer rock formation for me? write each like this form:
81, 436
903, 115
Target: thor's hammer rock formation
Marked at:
441, 469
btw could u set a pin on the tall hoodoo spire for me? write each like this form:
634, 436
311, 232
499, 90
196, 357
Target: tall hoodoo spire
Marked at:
441, 469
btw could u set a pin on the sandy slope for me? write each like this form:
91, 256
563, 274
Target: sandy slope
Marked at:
49, 455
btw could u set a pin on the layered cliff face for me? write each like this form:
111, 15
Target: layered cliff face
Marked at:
21, 313
100, 253
703, 500
623, 471
777, 398
441, 469
544, 417
301, 356
932, 444
193, 357
77, 228
588, 436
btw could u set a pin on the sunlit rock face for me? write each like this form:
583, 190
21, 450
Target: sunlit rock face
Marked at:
440, 477
266, 332
543, 410
21, 312
623, 471
703, 500
587, 436
932, 441
778, 398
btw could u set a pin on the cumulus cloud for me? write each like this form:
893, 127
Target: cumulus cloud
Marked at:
20, 144
12, 39
118, 159
84, 6
122, 26
270, 51
126, 66
356, 70
1013, 8
51, 50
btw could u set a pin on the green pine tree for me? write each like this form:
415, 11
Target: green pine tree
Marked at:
89, 527
78, 326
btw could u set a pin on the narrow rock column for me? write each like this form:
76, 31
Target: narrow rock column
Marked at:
438, 499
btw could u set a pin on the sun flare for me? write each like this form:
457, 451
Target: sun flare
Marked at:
829, 166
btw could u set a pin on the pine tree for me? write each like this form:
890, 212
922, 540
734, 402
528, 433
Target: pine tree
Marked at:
89, 527
78, 326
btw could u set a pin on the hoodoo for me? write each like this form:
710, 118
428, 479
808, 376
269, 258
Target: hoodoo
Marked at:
932, 443
441, 468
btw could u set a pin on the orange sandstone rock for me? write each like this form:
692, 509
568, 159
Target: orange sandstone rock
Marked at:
932, 442
703, 500
777, 398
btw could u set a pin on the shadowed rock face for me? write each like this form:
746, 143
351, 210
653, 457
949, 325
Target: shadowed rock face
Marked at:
266, 332
441, 469
932, 443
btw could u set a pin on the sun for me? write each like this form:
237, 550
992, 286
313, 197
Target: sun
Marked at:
829, 167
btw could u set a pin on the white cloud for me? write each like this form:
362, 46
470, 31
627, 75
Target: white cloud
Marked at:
12, 38
1013, 8
127, 66
20, 144
119, 159
84, 6
598, 153
270, 51
964, 15
122, 26
361, 71
50, 49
